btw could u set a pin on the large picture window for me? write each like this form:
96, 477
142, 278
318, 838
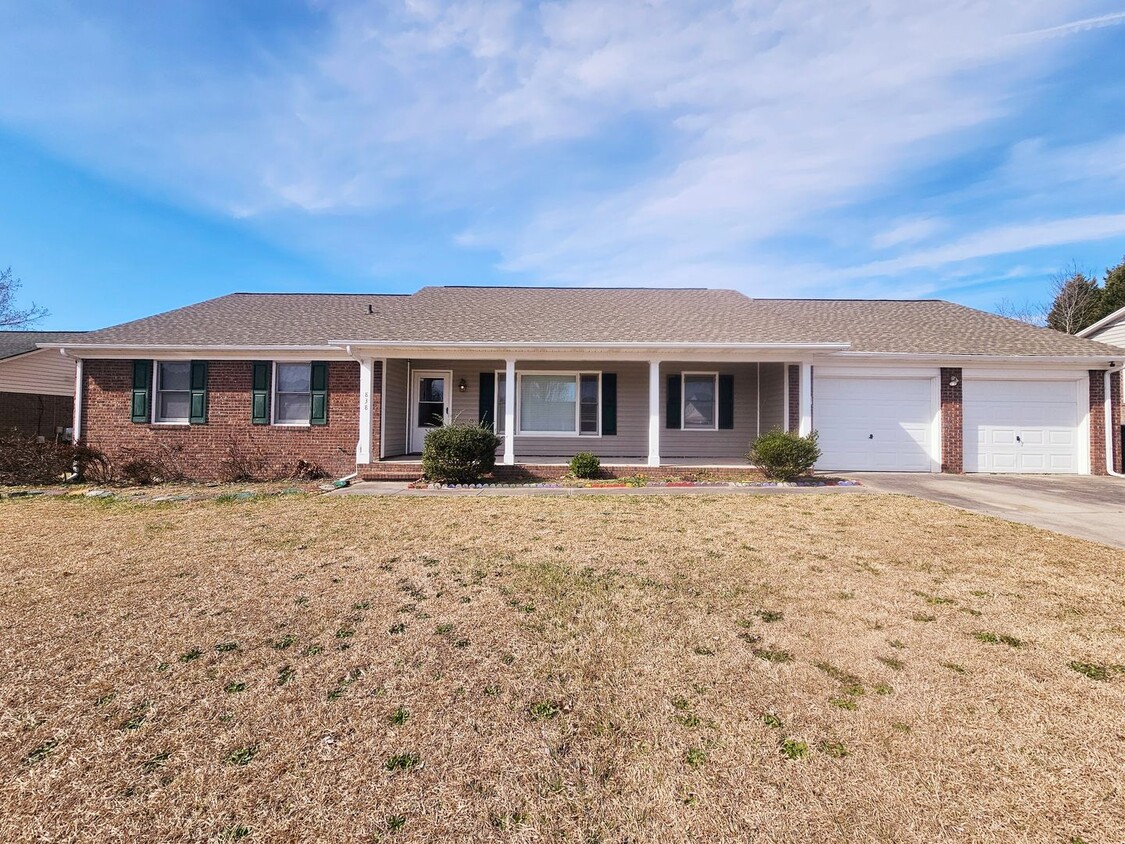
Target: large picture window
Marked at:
173, 391
293, 397
552, 403
700, 403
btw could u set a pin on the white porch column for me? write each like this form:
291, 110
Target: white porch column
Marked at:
806, 400
510, 412
363, 447
76, 434
654, 413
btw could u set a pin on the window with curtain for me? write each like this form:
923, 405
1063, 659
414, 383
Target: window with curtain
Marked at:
700, 399
548, 404
173, 391
293, 396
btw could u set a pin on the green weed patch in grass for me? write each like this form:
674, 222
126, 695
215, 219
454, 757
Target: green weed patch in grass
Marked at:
41, 752
775, 655
402, 762
543, 709
792, 748
242, 755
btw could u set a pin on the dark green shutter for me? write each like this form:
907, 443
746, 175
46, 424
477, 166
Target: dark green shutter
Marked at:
318, 406
609, 404
487, 401
726, 402
198, 392
672, 403
142, 389
260, 390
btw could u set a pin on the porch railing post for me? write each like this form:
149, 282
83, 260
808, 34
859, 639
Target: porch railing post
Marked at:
654, 413
510, 412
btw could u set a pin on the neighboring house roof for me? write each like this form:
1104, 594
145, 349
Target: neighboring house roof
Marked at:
652, 316
14, 343
1105, 322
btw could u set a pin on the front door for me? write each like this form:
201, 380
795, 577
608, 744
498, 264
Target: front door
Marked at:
430, 407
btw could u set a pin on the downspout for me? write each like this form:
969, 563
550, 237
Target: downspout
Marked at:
1109, 432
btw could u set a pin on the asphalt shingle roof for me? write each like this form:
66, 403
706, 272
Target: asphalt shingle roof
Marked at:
19, 342
594, 315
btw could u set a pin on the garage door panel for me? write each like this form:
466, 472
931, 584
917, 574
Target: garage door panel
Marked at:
874, 423
1021, 426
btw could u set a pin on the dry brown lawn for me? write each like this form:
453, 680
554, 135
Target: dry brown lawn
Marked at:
705, 668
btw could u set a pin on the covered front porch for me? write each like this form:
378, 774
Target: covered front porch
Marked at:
692, 413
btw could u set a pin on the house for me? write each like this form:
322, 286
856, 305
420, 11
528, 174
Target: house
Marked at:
1111, 330
644, 378
36, 385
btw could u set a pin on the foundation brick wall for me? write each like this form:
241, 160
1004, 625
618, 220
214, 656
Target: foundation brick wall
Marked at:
202, 450
1097, 421
35, 415
952, 422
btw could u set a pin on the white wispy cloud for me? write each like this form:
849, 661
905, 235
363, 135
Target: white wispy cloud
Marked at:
578, 141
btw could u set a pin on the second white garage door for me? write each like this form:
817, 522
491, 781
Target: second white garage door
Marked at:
875, 424
1022, 426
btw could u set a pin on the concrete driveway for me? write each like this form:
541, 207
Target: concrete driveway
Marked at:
1084, 506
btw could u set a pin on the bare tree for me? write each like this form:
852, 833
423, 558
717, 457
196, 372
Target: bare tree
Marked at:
1033, 313
12, 317
1077, 299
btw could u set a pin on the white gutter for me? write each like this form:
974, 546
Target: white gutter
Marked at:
1086, 361
631, 346
179, 347
1109, 432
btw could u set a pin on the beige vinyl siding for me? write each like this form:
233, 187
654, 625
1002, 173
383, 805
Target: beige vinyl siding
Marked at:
395, 397
1114, 334
45, 372
632, 406
773, 396
732, 442
631, 440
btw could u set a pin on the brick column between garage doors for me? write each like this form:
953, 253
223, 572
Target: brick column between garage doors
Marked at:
1097, 421
952, 422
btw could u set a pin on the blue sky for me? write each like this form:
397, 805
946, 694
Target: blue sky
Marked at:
153, 155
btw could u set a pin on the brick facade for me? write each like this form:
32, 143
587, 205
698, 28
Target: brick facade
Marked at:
35, 415
204, 452
794, 397
1097, 421
952, 422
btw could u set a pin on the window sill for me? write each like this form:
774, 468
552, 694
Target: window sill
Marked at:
291, 425
555, 434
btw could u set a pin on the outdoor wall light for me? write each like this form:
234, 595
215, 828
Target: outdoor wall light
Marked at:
462, 386
953, 382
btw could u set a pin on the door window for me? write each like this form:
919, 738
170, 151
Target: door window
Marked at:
431, 402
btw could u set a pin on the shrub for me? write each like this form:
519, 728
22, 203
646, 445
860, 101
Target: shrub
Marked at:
783, 456
459, 454
584, 465
25, 460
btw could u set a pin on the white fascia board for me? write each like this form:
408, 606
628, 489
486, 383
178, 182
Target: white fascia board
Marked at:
202, 352
1087, 361
1104, 322
591, 351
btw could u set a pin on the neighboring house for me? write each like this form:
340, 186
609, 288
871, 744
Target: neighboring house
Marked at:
36, 385
1111, 330
644, 378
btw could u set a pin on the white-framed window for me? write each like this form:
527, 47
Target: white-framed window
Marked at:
700, 405
292, 393
552, 404
172, 388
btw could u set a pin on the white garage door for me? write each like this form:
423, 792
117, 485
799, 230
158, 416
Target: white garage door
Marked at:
1022, 426
874, 424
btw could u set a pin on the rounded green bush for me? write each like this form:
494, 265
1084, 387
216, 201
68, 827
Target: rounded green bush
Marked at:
459, 454
783, 456
584, 465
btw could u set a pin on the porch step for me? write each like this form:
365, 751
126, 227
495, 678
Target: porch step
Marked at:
399, 470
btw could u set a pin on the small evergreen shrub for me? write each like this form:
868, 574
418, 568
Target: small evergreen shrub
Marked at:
459, 454
783, 456
585, 465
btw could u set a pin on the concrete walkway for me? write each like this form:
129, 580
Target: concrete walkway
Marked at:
399, 488
1078, 505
